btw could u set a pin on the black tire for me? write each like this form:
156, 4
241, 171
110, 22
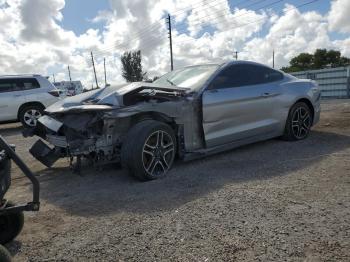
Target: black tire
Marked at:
143, 155
26, 111
5, 255
298, 123
11, 225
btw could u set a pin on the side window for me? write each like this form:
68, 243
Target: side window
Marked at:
245, 74
7, 85
229, 77
17, 84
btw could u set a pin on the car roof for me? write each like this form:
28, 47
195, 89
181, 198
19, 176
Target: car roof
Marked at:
20, 76
246, 62
232, 62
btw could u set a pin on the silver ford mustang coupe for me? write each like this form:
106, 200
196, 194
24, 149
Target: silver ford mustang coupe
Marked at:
187, 113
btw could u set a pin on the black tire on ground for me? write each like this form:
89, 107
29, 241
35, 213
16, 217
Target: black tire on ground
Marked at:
28, 111
148, 150
298, 123
11, 225
5, 255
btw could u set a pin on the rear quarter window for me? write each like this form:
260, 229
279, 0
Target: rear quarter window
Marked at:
29, 83
272, 75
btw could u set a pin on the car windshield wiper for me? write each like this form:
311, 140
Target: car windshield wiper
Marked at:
170, 82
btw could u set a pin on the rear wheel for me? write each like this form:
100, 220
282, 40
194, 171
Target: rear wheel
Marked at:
299, 122
149, 150
5, 256
30, 114
11, 225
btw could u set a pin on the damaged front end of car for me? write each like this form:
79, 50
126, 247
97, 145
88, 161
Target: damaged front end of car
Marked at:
93, 126
74, 135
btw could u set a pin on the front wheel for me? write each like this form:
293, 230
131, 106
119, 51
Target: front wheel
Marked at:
30, 114
149, 149
11, 225
298, 123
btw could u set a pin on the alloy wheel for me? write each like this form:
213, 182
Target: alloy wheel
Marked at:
301, 122
31, 117
158, 153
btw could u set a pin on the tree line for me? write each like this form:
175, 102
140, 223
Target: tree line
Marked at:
322, 58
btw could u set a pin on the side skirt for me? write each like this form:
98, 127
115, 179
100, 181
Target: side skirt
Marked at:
218, 149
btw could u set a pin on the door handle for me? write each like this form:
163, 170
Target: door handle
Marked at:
268, 94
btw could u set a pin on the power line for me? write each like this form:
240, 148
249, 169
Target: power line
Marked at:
192, 6
200, 3
149, 29
102, 52
146, 44
218, 11
252, 22
115, 46
258, 20
219, 18
145, 32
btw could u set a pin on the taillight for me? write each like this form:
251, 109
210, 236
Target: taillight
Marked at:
55, 93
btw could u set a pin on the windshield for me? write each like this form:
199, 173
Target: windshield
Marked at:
192, 77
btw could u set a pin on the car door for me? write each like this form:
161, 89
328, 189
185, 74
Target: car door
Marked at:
240, 103
11, 98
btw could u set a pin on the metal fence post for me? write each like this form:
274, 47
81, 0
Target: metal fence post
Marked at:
348, 81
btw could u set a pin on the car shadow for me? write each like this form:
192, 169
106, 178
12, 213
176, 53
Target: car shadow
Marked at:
14, 247
10, 130
97, 193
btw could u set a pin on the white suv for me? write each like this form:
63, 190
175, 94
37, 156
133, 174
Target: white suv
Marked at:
24, 98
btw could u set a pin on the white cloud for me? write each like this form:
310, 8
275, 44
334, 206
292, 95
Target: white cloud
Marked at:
339, 19
39, 22
32, 40
343, 46
289, 34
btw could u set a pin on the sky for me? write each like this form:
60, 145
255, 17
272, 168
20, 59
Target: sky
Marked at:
44, 37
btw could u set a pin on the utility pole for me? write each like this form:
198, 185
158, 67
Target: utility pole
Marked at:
236, 55
53, 76
104, 67
70, 78
273, 58
93, 65
171, 43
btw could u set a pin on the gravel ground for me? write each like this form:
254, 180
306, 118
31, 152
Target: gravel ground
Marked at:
270, 201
